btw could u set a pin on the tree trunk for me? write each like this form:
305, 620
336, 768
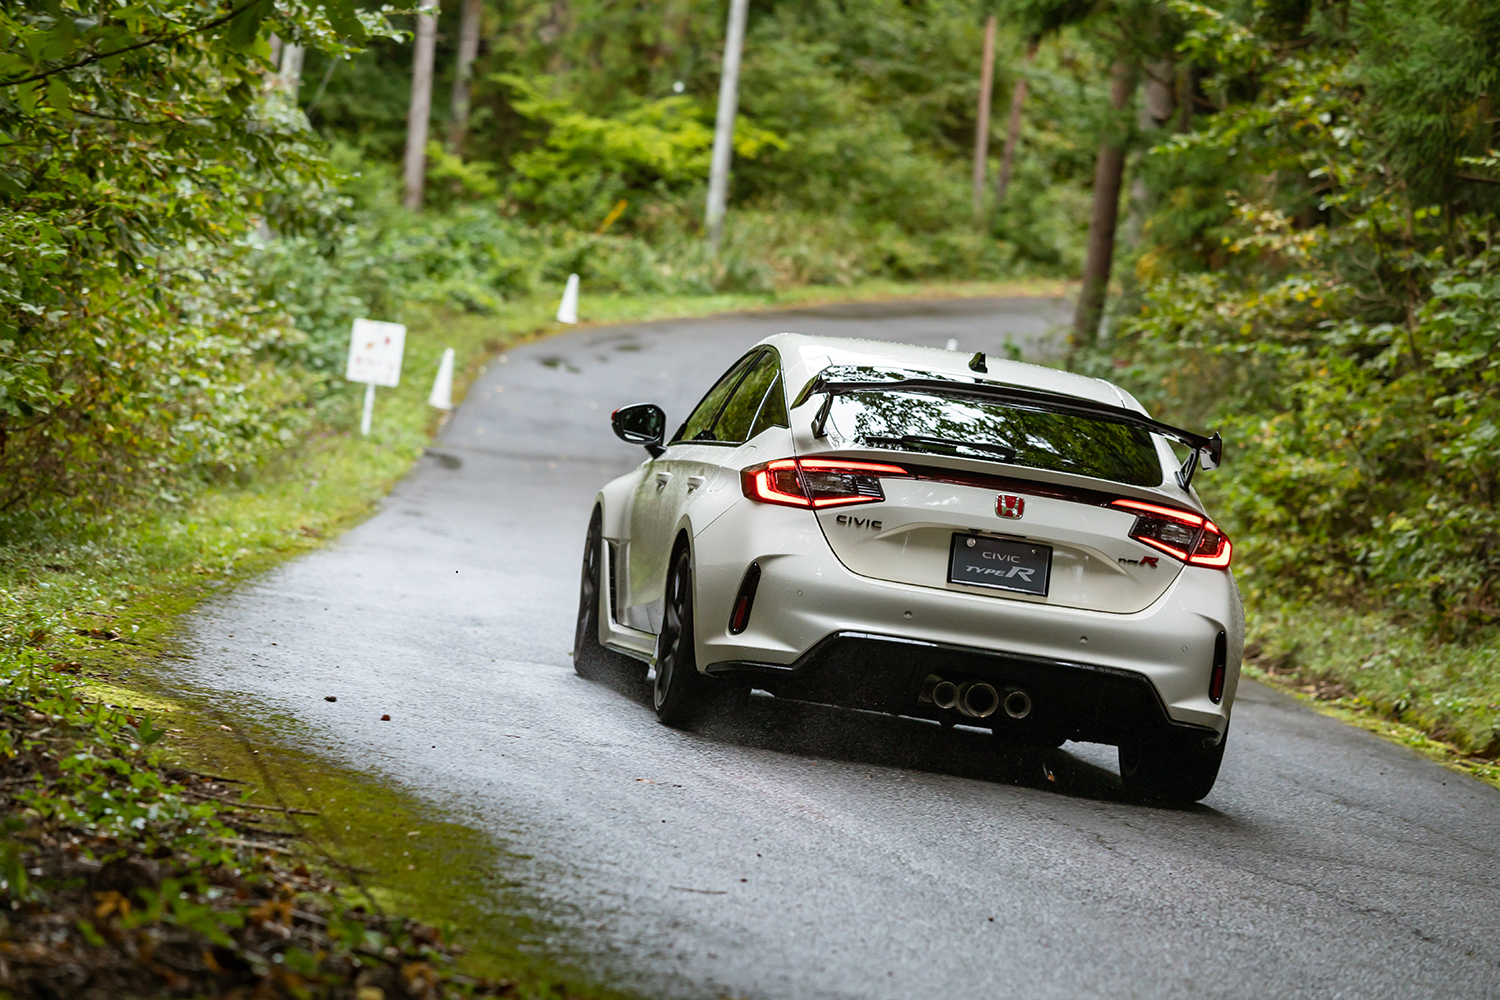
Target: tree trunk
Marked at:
1013, 129
1109, 170
1158, 109
418, 116
290, 78
982, 126
468, 49
729, 100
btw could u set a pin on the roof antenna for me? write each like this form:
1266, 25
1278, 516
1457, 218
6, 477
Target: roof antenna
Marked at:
976, 363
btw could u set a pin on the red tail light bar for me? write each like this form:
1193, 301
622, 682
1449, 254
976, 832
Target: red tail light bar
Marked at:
834, 482
1181, 534
817, 482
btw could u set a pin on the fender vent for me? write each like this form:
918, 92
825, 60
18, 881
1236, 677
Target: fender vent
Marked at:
739, 615
614, 614
1221, 662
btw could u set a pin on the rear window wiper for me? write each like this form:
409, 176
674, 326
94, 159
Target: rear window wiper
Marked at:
922, 442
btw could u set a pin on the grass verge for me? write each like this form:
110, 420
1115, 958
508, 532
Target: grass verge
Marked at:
127, 873
1370, 670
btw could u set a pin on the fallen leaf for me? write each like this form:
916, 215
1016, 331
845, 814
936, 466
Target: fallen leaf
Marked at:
110, 902
385, 718
279, 910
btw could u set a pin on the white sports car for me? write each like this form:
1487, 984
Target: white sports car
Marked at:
920, 532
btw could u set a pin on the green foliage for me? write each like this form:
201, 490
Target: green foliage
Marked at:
1371, 662
862, 118
1337, 310
141, 147
587, 163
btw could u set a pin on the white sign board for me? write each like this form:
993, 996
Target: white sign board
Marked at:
375, 352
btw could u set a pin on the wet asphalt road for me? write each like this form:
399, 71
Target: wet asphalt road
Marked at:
805, 852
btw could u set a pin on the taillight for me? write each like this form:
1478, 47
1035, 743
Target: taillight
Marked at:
817, 482
1181, 534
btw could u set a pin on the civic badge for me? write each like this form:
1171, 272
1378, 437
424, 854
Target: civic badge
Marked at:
1009, 506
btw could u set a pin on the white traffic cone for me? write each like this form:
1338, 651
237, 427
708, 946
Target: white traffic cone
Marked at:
567, 312
442, 386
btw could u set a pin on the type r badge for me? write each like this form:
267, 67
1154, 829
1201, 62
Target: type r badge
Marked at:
1009, 506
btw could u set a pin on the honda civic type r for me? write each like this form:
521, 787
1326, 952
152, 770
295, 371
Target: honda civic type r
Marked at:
920, 532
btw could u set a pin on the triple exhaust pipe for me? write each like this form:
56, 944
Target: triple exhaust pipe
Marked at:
975, 699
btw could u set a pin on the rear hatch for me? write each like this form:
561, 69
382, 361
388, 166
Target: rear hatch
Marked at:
991, 498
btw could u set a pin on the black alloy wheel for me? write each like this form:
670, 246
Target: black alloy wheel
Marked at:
591, 658
1179, 772
677, 692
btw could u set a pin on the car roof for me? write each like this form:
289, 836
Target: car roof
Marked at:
803, 357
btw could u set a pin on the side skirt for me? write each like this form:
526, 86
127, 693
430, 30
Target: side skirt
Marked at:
621, 638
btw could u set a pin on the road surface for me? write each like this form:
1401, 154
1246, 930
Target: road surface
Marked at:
806, 852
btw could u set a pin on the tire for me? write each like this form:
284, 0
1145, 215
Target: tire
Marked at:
678, 692
1174, 772
592, 659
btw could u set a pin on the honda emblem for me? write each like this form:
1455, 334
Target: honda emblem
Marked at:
1009, 506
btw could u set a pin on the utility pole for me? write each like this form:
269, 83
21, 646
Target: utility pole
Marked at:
729, 99
421, 106
1013, 128
982, 127
1109, 170
468, 49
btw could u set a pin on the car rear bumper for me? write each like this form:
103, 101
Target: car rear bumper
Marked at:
808, 605
1078, 701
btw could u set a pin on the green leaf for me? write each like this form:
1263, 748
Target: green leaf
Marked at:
343, 16
90, 933
245, 28
59, 96
26, 97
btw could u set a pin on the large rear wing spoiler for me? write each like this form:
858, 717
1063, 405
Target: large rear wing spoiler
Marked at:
1207, 452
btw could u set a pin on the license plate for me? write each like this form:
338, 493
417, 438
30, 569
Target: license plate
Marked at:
1000, 563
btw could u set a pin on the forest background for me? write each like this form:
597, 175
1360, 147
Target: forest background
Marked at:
1305, 254
1283, 213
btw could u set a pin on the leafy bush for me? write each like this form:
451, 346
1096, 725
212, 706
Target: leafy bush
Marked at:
125, 381
140, 143
1339, 313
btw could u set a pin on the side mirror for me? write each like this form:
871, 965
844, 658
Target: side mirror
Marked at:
643, 424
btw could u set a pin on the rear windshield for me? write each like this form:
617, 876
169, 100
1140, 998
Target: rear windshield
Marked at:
996, 431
